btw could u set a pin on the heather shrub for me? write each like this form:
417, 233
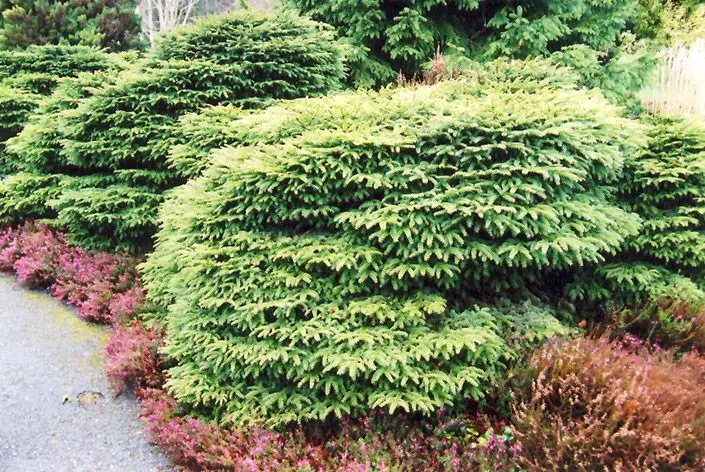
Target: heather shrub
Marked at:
115, 143
133, 360
591, 405
103, 287
31, 253
327, 268
667, 322
378, 442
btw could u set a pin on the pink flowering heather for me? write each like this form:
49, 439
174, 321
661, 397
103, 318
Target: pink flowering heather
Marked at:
354, 447
103, 287
9, 251
133, 359
31, 252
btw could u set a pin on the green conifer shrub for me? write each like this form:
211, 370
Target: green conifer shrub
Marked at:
665, 185
57, 61
204, 132
118, 140
218, 126
327, 265
386, 37
36, 82
106, 24
38, 173
621, 74
15, 106
27, 76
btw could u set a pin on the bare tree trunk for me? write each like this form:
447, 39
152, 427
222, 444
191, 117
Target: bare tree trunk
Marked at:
163, 15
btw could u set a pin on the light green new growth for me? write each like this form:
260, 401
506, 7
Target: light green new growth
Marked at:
326, 266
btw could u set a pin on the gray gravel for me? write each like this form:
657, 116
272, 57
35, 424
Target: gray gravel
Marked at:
47, 358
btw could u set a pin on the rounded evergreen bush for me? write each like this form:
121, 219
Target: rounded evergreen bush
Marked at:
35, 82
57, 61
16, 105
119, 139
27, 76
327, 265
665, 185
37, 174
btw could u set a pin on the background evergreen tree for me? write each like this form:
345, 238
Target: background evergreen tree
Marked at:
386, 37
111, 24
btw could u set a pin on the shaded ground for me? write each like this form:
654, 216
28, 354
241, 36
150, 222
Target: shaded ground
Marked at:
48, 357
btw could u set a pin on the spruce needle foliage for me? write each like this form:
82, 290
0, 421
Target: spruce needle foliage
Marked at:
27, 76
109, 24
38, 174
118, 140
16, 105
57, 61
388, 37
665, 185
324, 266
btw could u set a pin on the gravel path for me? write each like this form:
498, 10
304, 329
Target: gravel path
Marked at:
47, 358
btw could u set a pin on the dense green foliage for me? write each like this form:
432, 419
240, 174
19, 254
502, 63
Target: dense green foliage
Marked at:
621, 74
386, 37
665, 185
670, 21
109, 24
26, 76
326, 266
15, 105
115, 143
40, 175
203, 132
55, 61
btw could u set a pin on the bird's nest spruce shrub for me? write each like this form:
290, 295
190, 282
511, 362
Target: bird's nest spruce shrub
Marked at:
27, 76
114, 144
39, 175
656, 282
326, 266
57, 61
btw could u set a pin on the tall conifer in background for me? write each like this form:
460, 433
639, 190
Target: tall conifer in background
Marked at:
110, 24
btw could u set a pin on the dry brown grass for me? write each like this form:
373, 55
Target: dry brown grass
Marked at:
678, 87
